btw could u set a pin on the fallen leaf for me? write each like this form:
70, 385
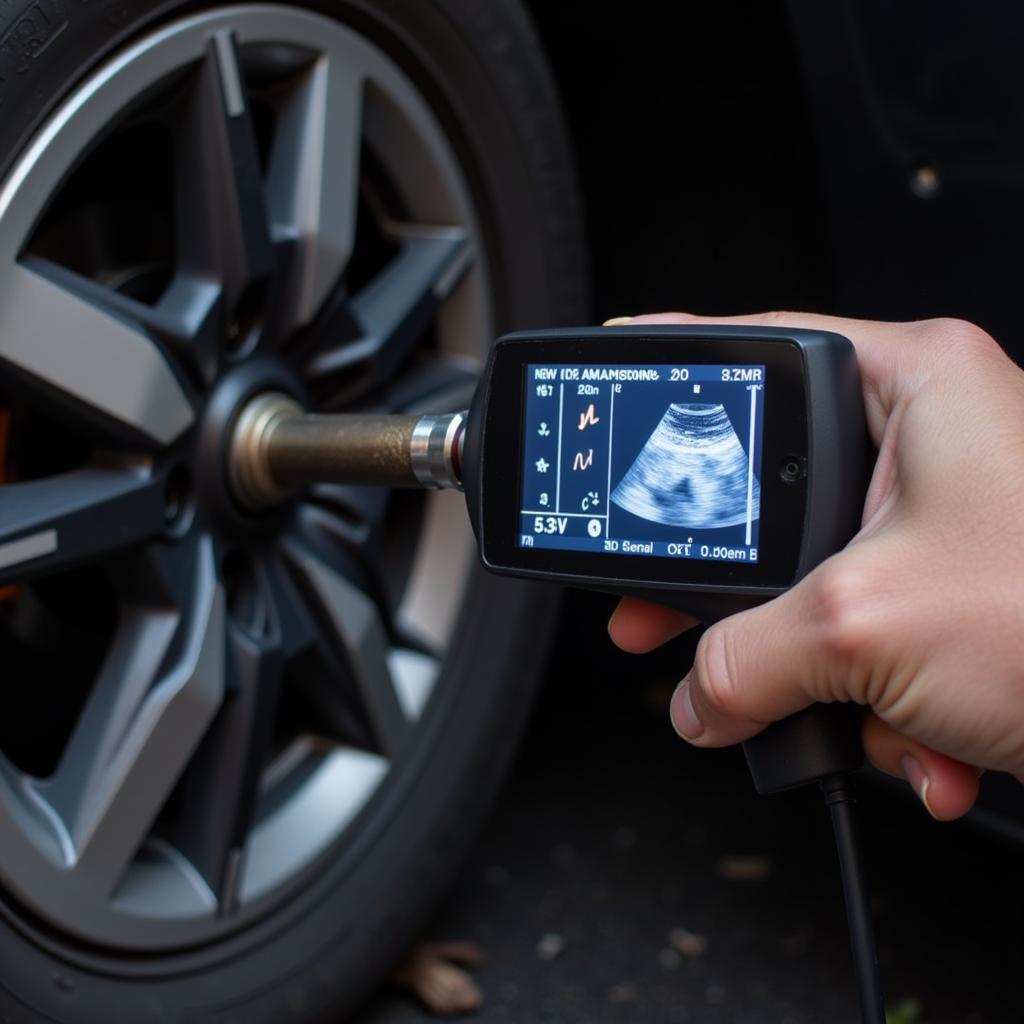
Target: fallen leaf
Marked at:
430, 973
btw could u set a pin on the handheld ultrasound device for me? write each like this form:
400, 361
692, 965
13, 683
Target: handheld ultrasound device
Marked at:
708, 468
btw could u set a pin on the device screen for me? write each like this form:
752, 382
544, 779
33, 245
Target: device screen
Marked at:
643, 460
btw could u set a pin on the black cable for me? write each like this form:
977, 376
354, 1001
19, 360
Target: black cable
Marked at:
839, 795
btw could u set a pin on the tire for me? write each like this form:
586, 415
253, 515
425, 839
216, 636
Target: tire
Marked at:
314, 950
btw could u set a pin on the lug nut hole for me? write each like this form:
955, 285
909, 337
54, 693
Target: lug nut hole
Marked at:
242, 331
246, 596
178, 499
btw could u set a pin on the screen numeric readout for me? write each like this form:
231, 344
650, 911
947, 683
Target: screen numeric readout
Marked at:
649, 460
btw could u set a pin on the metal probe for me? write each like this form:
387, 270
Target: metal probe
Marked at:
276, 446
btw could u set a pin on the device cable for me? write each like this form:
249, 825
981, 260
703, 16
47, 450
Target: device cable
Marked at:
839, 795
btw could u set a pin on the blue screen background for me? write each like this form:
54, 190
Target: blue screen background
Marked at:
567, 475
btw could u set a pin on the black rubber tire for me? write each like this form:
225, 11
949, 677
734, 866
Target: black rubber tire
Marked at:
314, 959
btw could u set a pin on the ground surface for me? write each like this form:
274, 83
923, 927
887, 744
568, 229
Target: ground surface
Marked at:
612, 833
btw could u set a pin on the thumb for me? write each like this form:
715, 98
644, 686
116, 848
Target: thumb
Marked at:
769, 662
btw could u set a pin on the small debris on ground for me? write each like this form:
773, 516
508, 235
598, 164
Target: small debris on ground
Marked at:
688, 943
430, 973
551, 946
744, 868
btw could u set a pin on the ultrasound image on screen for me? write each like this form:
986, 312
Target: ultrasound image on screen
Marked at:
643, 460
692, 472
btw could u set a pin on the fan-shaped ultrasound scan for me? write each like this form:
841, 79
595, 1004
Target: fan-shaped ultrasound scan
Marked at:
692, 472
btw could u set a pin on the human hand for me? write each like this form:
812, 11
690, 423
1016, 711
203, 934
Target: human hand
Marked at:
920, 618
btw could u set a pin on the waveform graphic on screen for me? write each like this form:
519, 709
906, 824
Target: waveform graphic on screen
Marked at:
691, 472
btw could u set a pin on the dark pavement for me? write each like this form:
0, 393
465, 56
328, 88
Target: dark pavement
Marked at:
612, 834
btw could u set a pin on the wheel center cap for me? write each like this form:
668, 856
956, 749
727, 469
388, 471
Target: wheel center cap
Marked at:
248, 472
230, 401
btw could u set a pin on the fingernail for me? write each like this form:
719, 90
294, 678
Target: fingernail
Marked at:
684, 718
617, 321
914, 774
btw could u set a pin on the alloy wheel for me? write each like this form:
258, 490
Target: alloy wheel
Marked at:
204, 703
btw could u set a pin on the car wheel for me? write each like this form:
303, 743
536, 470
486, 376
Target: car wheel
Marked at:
241, 754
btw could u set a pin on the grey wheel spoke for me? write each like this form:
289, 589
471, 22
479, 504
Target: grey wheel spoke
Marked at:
345, 531
140, 727
186, 319
313, 182
362, 638
60, 521
443, 561
440, 384
295, 628
90, 360
352, 513
220, 790
223, 227
415, 673
394, 309
221, 787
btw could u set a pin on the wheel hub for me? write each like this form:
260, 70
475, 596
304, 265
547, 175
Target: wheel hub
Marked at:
227, 402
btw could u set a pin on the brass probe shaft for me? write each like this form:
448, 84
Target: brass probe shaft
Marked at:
276, 447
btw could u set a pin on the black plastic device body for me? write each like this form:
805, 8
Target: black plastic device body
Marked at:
813, 457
